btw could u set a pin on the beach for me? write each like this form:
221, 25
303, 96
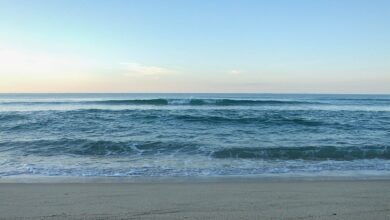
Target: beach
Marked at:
194, 110
234, 198
194, 156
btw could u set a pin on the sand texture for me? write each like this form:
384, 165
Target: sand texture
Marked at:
197, 200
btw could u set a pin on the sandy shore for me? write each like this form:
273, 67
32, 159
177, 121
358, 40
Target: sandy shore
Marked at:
252, 199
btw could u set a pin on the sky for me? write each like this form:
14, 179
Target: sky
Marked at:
264, 46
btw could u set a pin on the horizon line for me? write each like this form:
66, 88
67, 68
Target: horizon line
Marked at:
270, 93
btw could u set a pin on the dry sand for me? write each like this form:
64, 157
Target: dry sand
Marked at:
250, 199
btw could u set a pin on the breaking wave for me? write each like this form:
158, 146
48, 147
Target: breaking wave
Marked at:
306, 153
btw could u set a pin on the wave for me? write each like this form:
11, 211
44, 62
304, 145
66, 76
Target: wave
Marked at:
305, 153
85, 147
264, 119
11, 116
364, 99
132, 102
46, 119
162, 101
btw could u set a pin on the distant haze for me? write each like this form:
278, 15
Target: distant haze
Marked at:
282, 46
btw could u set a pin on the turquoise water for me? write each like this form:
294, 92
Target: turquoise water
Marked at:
193, 134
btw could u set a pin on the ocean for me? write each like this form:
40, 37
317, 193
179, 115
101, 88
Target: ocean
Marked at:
194, 135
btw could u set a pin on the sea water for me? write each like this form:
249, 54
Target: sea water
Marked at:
194, 134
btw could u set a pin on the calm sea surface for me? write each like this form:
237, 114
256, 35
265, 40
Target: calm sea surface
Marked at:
193, 134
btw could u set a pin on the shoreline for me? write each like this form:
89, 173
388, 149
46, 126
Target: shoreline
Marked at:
189, 179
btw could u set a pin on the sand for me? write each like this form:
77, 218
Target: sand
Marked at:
225, 199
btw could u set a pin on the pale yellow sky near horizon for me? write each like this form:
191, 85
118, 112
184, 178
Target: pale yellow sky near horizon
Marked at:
36, 71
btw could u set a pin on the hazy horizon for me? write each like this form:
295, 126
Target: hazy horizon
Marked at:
156, 93
321, 47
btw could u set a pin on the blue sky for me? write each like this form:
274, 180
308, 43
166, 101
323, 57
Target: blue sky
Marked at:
333, 46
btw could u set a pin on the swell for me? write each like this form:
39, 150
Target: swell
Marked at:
306, 153
163, 101
86, 147
364, 99
263, 119
94, 119
12, 116
49, 119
